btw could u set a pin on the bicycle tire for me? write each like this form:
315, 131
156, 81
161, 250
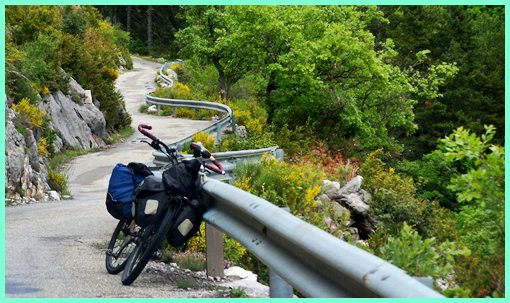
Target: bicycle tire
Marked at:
119, 248
151, 238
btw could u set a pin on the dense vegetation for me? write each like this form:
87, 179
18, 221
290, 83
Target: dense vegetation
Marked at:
409, 97
46, 45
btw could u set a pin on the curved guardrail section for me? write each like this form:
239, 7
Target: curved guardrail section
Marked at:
217, 127
310, 259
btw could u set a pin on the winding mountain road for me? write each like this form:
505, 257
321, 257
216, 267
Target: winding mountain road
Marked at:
51, 249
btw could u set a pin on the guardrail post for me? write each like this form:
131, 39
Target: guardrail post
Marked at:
279, 154
278, 287
214, 251
158, 107
218, 133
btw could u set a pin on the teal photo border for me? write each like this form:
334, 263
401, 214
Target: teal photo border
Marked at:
235, 2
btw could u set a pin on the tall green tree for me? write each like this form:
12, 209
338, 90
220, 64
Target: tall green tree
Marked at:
470, 36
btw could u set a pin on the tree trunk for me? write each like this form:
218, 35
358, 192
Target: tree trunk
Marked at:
149, 29
128, 19
221, 79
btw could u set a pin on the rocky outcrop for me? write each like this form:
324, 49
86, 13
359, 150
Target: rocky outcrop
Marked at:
14, 154
346, 208
25, 176
77, 123
78, 126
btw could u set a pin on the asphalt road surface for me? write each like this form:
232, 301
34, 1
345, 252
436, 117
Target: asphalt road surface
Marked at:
53, 249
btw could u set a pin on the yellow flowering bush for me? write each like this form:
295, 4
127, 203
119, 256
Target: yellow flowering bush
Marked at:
183, 112
206, 140
42, 147
180, 91
283, 184
41, 89
30, 112
110, 73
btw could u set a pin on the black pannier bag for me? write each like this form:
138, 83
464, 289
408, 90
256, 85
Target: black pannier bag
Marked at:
150, 201
183, 178
123, 181
187, 223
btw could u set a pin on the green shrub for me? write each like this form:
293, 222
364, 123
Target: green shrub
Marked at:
143, 108
421, 257
42, 64
296, 142
480, 192
393, 197
431, 176
394, 201
233, 142
237, 292
26, 23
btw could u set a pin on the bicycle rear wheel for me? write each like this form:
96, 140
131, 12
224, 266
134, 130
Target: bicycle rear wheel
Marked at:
151, 238
120, 247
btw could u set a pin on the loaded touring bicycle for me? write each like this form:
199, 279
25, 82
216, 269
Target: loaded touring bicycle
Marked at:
154, 205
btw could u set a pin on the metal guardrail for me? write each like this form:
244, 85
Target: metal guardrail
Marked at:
311, 260
314, 262
228, 159
216, 127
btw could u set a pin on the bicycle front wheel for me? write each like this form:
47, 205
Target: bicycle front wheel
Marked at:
151, 238
120, 247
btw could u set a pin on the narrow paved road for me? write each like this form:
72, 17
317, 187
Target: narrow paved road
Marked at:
52, 250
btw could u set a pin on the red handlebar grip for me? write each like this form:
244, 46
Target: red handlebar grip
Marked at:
222, 171
142, 127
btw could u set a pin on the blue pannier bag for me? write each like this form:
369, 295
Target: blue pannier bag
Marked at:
123, 181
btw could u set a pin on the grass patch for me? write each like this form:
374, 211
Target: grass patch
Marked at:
194, 261
57, 174
237, 292
186, 283
122, 134
144, 108
60, 159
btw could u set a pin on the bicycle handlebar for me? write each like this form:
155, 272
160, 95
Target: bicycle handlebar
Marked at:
142, 127
198, 149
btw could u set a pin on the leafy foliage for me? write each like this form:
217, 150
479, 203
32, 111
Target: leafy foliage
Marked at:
421, 257
480, 192
394, 201
431, 175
